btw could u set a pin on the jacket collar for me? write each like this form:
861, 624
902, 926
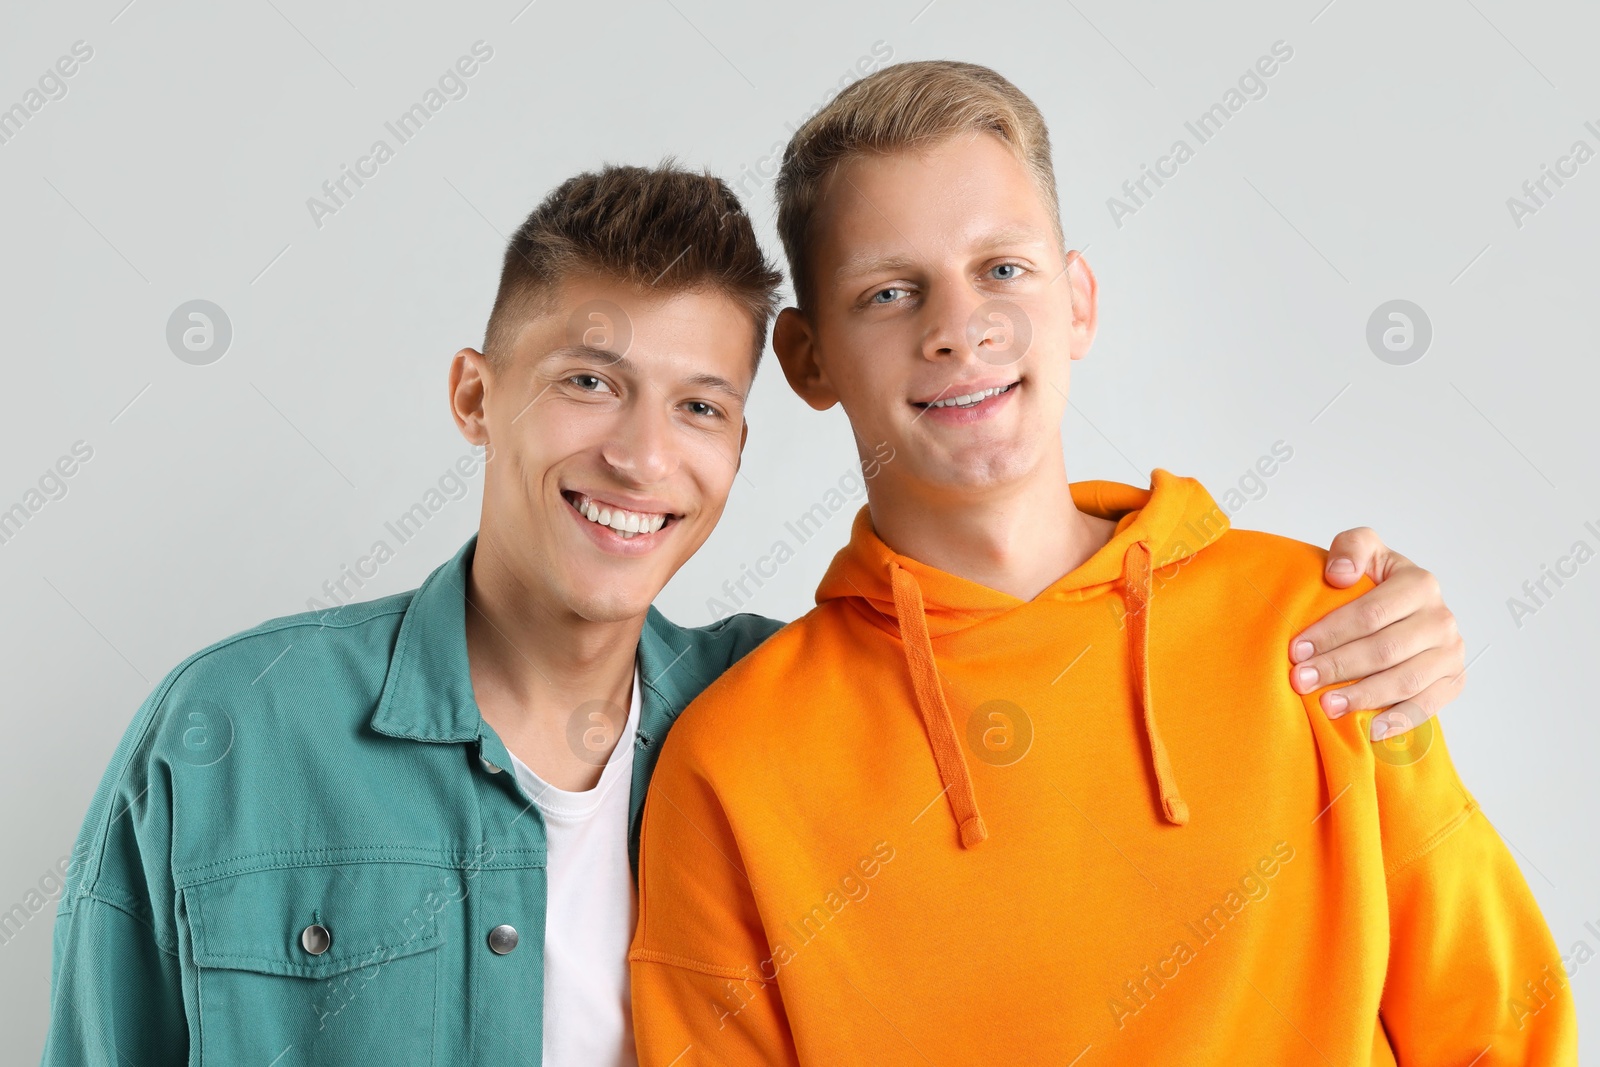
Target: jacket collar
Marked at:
427, 695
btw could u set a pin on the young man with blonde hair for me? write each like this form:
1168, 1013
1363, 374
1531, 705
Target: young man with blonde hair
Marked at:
1026, 786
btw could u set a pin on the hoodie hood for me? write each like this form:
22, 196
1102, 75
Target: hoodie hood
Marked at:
1156, 527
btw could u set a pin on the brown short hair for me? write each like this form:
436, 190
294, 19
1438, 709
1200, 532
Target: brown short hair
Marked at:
661, 228
903, 106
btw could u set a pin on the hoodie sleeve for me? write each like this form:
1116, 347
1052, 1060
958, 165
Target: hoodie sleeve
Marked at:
705, 988
1474, 975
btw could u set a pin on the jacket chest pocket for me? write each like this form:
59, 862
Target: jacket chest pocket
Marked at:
325, 964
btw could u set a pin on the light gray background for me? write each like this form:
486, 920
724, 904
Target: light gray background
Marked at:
1234, 307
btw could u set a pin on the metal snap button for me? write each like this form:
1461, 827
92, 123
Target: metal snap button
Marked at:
502, 939
315, 939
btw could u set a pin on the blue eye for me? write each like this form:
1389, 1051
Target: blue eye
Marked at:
882, 292
700, 407
1007, 266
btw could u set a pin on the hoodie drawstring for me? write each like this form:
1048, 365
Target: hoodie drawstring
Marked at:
1137, 589
936, 718
947, 754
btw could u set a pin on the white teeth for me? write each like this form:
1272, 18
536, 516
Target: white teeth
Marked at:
968, 399
627, 524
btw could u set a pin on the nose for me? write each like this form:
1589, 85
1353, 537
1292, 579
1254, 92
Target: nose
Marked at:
642, 448
949, 309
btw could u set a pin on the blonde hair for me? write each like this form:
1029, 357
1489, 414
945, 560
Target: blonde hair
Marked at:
902, 107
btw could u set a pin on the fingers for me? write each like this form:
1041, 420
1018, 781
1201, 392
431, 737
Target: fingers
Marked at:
1406, 590
1390, 647
1354, 553
1406, 682
1412, 713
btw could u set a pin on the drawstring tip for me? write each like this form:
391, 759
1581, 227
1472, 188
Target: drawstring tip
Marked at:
973, 832
1177, 811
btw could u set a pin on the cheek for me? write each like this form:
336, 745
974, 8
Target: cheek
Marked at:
862, 356
712, 469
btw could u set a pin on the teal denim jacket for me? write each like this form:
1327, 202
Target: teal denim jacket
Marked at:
305, 838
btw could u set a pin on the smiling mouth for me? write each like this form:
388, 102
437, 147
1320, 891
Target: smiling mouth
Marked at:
627, 524
967, 400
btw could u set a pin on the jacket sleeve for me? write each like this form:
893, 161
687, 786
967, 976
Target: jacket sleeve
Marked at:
705, 983
116, 991
1474, 975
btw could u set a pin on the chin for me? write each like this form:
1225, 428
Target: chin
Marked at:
608, 605
988, 469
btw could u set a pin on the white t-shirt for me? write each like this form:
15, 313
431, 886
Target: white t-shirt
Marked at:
593, 906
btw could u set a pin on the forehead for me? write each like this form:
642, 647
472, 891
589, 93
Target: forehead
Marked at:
962, 191
676, 334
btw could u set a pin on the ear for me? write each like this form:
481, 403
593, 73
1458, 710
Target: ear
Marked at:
469, 387
1084, 292
794, 341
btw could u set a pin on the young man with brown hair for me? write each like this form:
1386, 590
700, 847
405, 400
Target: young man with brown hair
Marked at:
403, 831
1026, 786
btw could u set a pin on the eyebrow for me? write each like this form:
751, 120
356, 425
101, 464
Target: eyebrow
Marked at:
604, 357
869, 261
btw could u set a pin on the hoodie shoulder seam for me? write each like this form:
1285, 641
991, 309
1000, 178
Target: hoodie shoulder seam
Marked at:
1433, 841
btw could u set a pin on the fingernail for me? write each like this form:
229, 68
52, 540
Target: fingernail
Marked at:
1307, 677
1303, 650
1335, 704
1341, 567
1381, 729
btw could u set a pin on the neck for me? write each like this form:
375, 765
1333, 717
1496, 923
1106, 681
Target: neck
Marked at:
534, 665
1019, 538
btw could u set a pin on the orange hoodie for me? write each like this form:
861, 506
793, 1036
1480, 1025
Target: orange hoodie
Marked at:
930, 823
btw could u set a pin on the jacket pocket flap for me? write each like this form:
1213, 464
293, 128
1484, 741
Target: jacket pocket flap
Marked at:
369, 913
